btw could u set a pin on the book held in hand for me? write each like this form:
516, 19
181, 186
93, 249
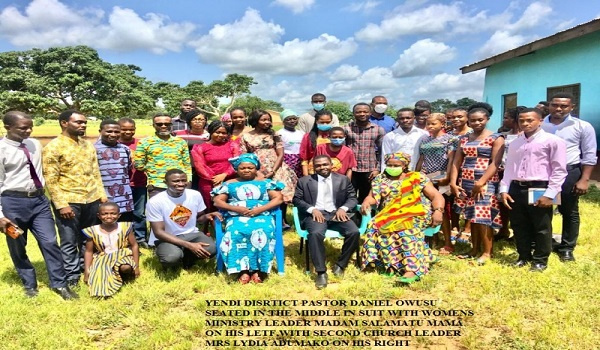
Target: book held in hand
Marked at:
535, 193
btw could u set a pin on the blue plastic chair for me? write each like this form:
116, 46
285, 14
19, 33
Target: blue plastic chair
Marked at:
328, 234
279, 253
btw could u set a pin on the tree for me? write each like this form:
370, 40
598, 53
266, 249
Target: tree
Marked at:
250, 103
207, 97
43, 82
465, 102
441, 105
341, 109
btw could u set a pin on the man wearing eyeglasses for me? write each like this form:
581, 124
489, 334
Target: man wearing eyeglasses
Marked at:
155, 155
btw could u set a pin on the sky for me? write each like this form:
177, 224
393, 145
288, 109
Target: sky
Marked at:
348, 50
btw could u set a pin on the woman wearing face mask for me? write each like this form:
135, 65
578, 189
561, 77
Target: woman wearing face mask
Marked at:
318, 135
341, 155
407, 203
474, 181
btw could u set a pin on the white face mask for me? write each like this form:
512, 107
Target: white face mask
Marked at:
380, 108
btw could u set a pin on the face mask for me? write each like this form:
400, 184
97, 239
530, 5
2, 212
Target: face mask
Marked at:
338, 142
394, 171
324, 127
380, 108
318, 106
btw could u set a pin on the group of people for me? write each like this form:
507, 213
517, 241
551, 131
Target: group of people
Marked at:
414, 171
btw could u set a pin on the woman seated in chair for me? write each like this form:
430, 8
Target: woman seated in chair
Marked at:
248, 245
395, 239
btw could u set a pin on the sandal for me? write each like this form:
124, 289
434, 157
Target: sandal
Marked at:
256, 278
244, 277
465, 256
464, 237
446, 250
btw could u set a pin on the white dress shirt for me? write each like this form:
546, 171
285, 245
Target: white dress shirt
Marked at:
14, 167
400, 141
579, 136
325, 203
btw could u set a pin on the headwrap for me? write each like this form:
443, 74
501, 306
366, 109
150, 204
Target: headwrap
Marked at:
287, 113
245, 158
225, 117
401, 156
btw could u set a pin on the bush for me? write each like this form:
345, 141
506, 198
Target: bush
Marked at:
38, 121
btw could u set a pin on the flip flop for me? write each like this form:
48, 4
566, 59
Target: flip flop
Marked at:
447, 250
466, 256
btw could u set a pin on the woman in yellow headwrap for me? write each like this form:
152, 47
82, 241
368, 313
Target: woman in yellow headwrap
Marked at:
407, 203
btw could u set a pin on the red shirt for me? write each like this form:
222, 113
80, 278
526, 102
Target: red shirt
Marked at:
136, 178
343, 159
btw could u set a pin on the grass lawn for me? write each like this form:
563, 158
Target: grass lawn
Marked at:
512, 308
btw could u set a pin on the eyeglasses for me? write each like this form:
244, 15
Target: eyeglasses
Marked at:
163, 124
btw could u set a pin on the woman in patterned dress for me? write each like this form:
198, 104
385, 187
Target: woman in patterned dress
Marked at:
268, 146
111, 255
435, 152
395, 237
474, 181
248, 245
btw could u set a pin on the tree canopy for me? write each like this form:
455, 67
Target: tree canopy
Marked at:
442, 105
43, 82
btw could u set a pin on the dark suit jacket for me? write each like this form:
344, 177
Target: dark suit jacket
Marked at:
306, 193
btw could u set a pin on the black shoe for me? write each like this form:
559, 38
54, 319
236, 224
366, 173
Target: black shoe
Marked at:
143, 244
538, 267
520, 263
66, 293
72, 283
338, 271
566, 256
321, 281
31, 292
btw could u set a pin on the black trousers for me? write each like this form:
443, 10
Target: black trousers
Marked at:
530, 224
569, 209
362, 185
316, 236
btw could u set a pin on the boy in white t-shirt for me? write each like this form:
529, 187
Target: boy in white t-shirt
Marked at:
173, 215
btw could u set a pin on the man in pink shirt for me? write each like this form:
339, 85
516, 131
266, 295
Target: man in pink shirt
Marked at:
535, 159
137, 182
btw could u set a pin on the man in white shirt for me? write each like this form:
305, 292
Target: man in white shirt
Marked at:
307, 120
580, 138
406, 138
23, 204
173, 215
323, 200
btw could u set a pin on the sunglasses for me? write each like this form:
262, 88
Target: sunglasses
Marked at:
163, 124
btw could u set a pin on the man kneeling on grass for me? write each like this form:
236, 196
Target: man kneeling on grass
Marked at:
173, 215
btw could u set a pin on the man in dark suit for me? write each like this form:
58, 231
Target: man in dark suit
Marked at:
323, 202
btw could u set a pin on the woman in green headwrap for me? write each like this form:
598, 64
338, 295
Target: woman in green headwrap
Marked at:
395, 239
248, 245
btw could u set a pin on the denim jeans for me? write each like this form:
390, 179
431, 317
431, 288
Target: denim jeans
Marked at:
140, 198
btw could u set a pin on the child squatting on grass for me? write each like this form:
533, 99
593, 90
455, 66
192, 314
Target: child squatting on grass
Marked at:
111, 254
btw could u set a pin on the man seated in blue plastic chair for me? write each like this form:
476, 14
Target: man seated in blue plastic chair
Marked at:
323, 201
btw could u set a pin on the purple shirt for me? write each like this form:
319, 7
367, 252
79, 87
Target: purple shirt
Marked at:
541, 157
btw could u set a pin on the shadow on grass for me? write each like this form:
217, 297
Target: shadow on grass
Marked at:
593, 195
11, 277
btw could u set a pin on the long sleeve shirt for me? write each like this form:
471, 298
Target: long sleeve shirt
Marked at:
400, 141
14, 166
540, 157
71, 171
364, 142
155, 156
579, 136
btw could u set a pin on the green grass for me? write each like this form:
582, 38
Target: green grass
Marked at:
513, 308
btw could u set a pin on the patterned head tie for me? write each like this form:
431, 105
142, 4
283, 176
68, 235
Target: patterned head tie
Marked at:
245, 158
225, 117
401, 156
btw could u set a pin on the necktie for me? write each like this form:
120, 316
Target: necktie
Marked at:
328, 196
34, 176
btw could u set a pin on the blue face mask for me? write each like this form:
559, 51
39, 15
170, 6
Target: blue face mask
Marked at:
318, 106
338, 142
324, 127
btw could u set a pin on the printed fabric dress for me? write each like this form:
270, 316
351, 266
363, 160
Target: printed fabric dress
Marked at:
395, 237
477, 158
249, 242
264, 145
112, 252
